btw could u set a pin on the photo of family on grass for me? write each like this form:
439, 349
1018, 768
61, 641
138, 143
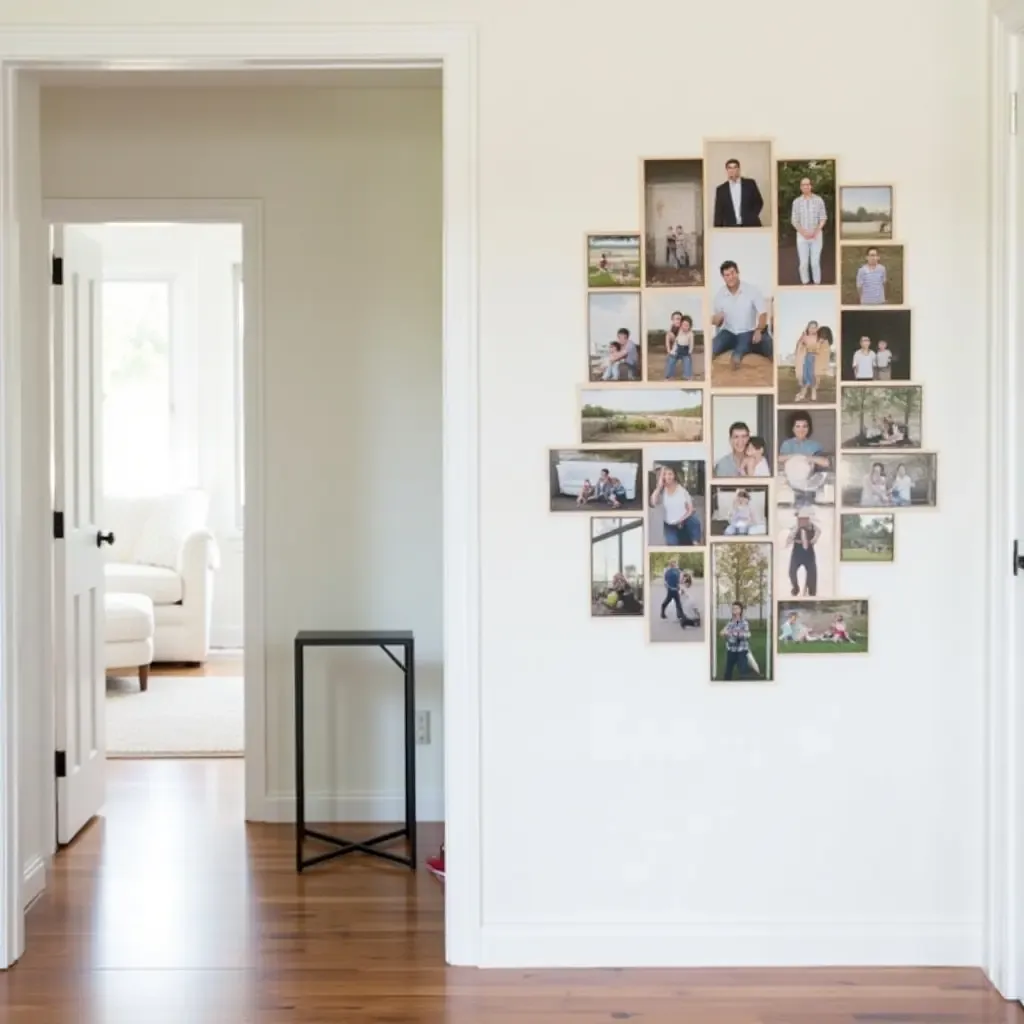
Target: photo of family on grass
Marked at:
874, 345
630, 415
616, 566
676, 611
613, 261
595, 479
865, 213
613, 328
674, 223
739, 511
676, 498
807, 222
872, 275
741, 580
807, 346
823, 627
882, 417
674, 328
868, 537
906, 480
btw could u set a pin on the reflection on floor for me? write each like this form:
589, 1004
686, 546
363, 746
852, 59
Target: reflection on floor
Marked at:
169, 910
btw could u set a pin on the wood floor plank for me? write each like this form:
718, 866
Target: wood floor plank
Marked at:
169, 910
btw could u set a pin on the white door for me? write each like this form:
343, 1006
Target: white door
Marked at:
78, 560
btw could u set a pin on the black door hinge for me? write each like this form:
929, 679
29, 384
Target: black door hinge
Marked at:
58, 525
57, 270
1018, 558
60, 764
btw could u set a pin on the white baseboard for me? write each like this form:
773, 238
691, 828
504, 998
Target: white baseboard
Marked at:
33, 882
868, 944
357, 807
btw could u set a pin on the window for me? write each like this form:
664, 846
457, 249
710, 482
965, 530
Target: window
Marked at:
239, 306
137, 405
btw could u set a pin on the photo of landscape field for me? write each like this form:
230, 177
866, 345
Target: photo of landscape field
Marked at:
641, 415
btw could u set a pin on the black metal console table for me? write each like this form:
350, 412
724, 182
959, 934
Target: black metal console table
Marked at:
385, 640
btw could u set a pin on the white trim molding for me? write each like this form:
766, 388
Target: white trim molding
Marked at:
110, 49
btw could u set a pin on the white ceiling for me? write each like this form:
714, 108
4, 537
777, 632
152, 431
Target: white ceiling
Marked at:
323, 78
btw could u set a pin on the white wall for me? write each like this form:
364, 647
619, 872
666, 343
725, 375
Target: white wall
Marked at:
198, 261
350, 181
631, 812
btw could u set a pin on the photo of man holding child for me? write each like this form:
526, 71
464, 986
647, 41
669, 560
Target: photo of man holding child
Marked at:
743, 435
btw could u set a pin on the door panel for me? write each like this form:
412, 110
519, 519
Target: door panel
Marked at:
78, 563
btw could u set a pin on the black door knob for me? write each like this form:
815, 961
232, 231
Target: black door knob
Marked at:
104, 538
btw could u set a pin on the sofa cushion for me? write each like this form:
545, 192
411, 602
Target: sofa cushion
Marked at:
172, 518
160, 585
127, 617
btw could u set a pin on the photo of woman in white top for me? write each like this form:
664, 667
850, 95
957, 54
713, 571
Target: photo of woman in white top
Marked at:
681, 526
874, 491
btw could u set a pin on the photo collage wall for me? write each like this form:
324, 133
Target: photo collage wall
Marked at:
748, 418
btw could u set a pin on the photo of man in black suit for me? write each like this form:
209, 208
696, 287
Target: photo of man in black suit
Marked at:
738, 200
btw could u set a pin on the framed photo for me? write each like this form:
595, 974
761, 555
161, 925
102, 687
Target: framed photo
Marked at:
741, 596
613, 260
673, 223
676, 499
865, 213
879, 480
673, 323
807, 457
823, 627
677, 609
610, 414
613, 337
807, 345
743, 436
882, 416
739, 510
739, 182
874, 345
616, 567
595, 480
872, 275
806, 550
741, 277
867, 537
807, 222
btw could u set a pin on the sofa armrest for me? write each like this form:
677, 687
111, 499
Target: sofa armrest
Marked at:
199, 553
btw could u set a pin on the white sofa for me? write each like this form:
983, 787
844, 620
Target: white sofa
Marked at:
163, 550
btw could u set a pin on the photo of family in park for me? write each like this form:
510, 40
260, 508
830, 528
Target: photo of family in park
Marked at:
674, 223
595, 479
739, 511
805, 550
873, 480
613, 261
743, 435
631, 415
807, 457
867, 537
742, 340
616, 566
865, 213
676, 610
807, 222
874, 345
613, 336
872, 275
739, 182
741, 594
673, 323
805, 322
881, 416
823, 627
676, 501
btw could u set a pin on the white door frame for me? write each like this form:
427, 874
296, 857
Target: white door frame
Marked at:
1004, 707
248, 47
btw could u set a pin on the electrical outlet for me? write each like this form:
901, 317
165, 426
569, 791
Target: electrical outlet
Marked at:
422, 728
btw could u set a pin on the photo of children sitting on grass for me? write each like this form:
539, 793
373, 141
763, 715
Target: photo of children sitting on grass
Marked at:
823, 627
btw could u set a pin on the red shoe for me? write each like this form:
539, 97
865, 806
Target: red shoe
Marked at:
435, 865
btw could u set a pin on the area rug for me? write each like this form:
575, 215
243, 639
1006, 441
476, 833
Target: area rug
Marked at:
178, 716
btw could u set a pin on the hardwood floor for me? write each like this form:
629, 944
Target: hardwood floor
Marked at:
169, 910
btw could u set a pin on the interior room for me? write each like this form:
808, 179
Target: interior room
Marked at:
796, 796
